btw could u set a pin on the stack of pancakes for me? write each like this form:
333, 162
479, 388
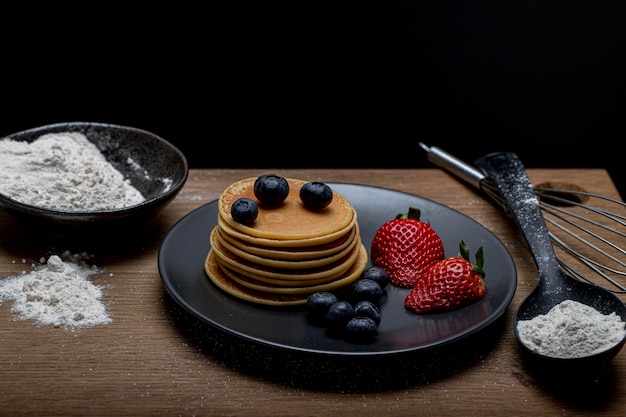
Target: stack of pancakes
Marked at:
289, 252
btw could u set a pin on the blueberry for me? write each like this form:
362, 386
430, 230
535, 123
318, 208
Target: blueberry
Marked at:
244, 211
316, 195
377, 274
366, 290
367, 309
318, 303
339, 313
361, 327
271, 189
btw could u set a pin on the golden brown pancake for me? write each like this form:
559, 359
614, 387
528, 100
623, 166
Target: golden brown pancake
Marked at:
347, 278
289, 280
261, 272
291, 220
291, 253
214, 272
316, 262
217, 275
285, 243
288, 252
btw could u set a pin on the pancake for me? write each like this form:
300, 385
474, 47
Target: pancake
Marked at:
260, 272
222, 281
291, 253
285, 243
291, 220
314, 262
351, 275
289, 280
260, 296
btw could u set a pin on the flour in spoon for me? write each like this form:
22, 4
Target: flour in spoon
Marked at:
58, 293
63, 171
571, 330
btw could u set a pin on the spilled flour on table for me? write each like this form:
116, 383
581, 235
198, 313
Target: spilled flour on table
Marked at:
57, 292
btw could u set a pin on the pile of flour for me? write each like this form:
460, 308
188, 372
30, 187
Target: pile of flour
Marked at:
57, 292
63, 171
571, 330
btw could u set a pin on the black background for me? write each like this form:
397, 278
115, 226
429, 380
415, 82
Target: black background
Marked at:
328, 84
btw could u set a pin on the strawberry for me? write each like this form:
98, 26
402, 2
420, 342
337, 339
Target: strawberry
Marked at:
449, 284
405, 247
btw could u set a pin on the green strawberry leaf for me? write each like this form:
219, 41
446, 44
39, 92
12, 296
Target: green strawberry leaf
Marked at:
479, 256
414, 213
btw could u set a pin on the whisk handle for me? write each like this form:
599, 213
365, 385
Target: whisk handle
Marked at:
454, 165
508, 173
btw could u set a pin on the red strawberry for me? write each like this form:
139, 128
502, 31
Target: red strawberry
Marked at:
405, 247
449, 284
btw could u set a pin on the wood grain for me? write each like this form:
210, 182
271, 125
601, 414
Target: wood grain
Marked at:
154, 359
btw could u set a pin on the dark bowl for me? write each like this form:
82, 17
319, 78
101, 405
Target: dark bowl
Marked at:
152, 165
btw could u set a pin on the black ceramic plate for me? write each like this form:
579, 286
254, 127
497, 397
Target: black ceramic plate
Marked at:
182, 253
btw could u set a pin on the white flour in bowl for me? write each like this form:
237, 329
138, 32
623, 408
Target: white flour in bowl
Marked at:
63, 171
571, 330
57, 292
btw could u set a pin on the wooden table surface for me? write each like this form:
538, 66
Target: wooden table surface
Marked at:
156, 359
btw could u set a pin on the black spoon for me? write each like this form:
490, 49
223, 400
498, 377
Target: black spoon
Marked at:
554, 285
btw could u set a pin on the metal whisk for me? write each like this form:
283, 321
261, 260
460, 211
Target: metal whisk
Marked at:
587, 229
